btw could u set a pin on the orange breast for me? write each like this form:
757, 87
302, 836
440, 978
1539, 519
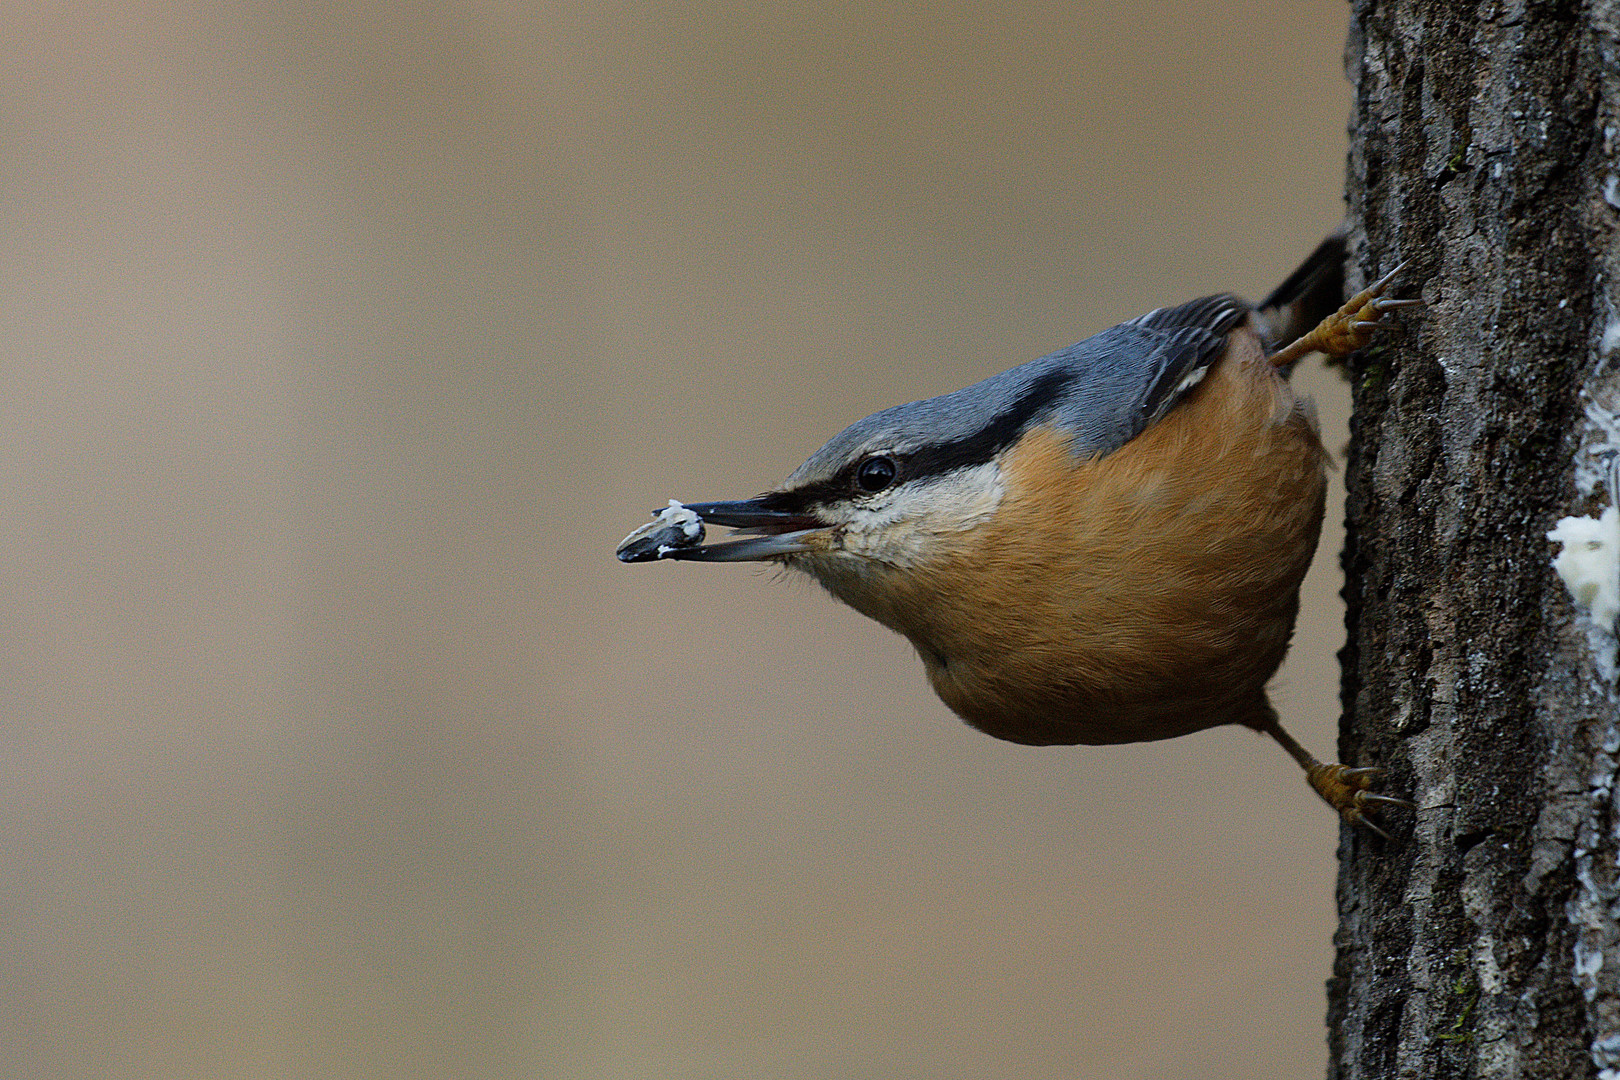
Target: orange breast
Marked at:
1142, 595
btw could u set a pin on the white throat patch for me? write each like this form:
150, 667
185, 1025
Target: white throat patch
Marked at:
925, 518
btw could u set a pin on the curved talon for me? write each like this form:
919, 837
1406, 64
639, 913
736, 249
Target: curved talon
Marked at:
1355, 817
1346, 789
1351, 327
1378, 286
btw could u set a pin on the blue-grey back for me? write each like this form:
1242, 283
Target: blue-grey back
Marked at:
1101, 391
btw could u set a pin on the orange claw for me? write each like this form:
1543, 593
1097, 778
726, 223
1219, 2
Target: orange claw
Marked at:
1347, 790
1351, 327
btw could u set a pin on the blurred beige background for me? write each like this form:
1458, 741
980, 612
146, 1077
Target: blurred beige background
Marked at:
340, 345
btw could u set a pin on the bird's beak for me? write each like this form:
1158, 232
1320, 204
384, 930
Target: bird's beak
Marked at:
677, 533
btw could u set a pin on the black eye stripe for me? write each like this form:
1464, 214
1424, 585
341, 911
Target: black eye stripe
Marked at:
940, 458
994, 437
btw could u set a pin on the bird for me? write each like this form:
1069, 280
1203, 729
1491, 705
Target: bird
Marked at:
1104, 545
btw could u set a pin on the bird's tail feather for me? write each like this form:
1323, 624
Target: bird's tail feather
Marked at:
1307, 296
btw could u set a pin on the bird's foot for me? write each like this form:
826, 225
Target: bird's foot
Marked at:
1351, 327
1349, 791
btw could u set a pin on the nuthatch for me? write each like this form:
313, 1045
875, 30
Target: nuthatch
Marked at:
1104, 545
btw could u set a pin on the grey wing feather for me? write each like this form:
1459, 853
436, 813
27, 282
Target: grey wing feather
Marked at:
1218, 313
1191, 337
1102, 391
1130, 375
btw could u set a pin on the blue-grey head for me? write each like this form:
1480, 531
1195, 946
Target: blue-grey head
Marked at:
894, 487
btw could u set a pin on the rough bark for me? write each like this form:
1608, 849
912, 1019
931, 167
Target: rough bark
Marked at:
1483, 940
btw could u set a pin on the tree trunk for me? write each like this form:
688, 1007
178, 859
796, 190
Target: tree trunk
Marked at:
1483, 940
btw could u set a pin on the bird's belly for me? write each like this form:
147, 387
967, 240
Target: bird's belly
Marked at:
1043, 709
1151, 597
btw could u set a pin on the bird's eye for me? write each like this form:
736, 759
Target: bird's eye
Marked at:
875, 473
